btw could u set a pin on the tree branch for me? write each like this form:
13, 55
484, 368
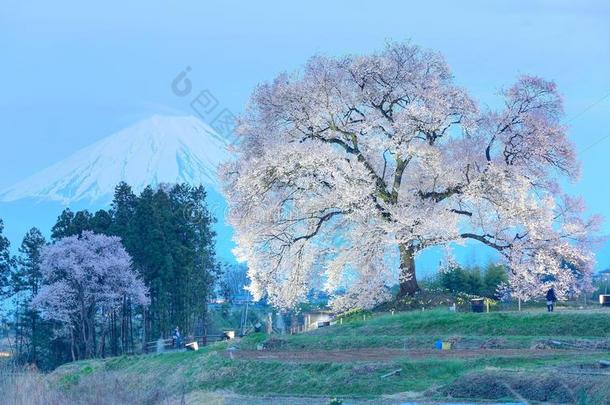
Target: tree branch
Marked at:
321, 221
484, 239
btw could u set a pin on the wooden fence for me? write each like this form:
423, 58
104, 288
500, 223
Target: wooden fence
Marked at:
170, 344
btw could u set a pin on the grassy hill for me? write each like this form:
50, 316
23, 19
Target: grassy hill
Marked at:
497, 356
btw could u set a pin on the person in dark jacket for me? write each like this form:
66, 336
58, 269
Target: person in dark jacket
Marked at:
550, 299
177, 338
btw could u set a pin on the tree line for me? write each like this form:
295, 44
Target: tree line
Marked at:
168, 242
473, 280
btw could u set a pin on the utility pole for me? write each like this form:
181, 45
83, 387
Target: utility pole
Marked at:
269, 323
244, 322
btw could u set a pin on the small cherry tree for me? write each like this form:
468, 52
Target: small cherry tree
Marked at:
84, 279
355, 164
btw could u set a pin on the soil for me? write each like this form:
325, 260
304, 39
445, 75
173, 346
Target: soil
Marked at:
383, 355
546, 387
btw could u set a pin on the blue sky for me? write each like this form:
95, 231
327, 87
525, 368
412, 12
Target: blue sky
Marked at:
74, 72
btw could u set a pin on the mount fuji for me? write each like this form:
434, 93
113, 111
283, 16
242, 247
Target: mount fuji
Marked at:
160, 149
156, 150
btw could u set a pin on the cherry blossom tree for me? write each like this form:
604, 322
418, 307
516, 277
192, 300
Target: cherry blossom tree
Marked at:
84, 279
352, 166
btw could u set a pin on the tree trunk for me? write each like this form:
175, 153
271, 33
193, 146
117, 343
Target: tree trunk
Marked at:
34, 339
145, 331
72, 344
407, 279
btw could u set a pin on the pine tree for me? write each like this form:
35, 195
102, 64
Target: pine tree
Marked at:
81, 222
26, 280
101, 222
150, 254
70, 223
171, 241
206, 269
63, 225
27, 276
495, 275
6, 263
122, 212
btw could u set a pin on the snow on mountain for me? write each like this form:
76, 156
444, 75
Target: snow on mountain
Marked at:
160, 149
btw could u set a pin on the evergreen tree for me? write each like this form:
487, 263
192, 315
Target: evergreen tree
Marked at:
81, 222
200, 270
27, 275
63, 225
6, 263
26, 280
70, 223
471, 280
150, 253
453, 279
172, 245
122, 212
101, 222
495, 274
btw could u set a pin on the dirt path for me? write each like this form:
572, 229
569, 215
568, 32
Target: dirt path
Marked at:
381, 354
229, 398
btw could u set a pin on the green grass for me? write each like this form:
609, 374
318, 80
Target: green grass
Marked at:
209, 370
496, 323
421, 329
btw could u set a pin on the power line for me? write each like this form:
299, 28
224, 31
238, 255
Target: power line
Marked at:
603, 138
588, 108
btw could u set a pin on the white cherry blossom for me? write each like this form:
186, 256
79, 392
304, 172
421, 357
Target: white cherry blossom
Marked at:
351, 167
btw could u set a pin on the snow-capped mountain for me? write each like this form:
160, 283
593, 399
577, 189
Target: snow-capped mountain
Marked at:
160, 149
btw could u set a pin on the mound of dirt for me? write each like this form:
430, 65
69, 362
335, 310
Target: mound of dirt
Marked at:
364, 369
543, 387
542, 345
572, 344
495, 343
454, 340
274, 344
385, 354
421, 299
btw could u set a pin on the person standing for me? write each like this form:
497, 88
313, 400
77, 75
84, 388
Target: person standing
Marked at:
550, 299
177, 338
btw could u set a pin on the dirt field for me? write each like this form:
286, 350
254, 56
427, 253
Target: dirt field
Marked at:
382, 355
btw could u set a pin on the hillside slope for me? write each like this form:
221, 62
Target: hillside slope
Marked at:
496, 357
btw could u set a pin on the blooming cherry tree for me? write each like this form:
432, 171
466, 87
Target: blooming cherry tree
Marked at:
84, 279
351, 167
